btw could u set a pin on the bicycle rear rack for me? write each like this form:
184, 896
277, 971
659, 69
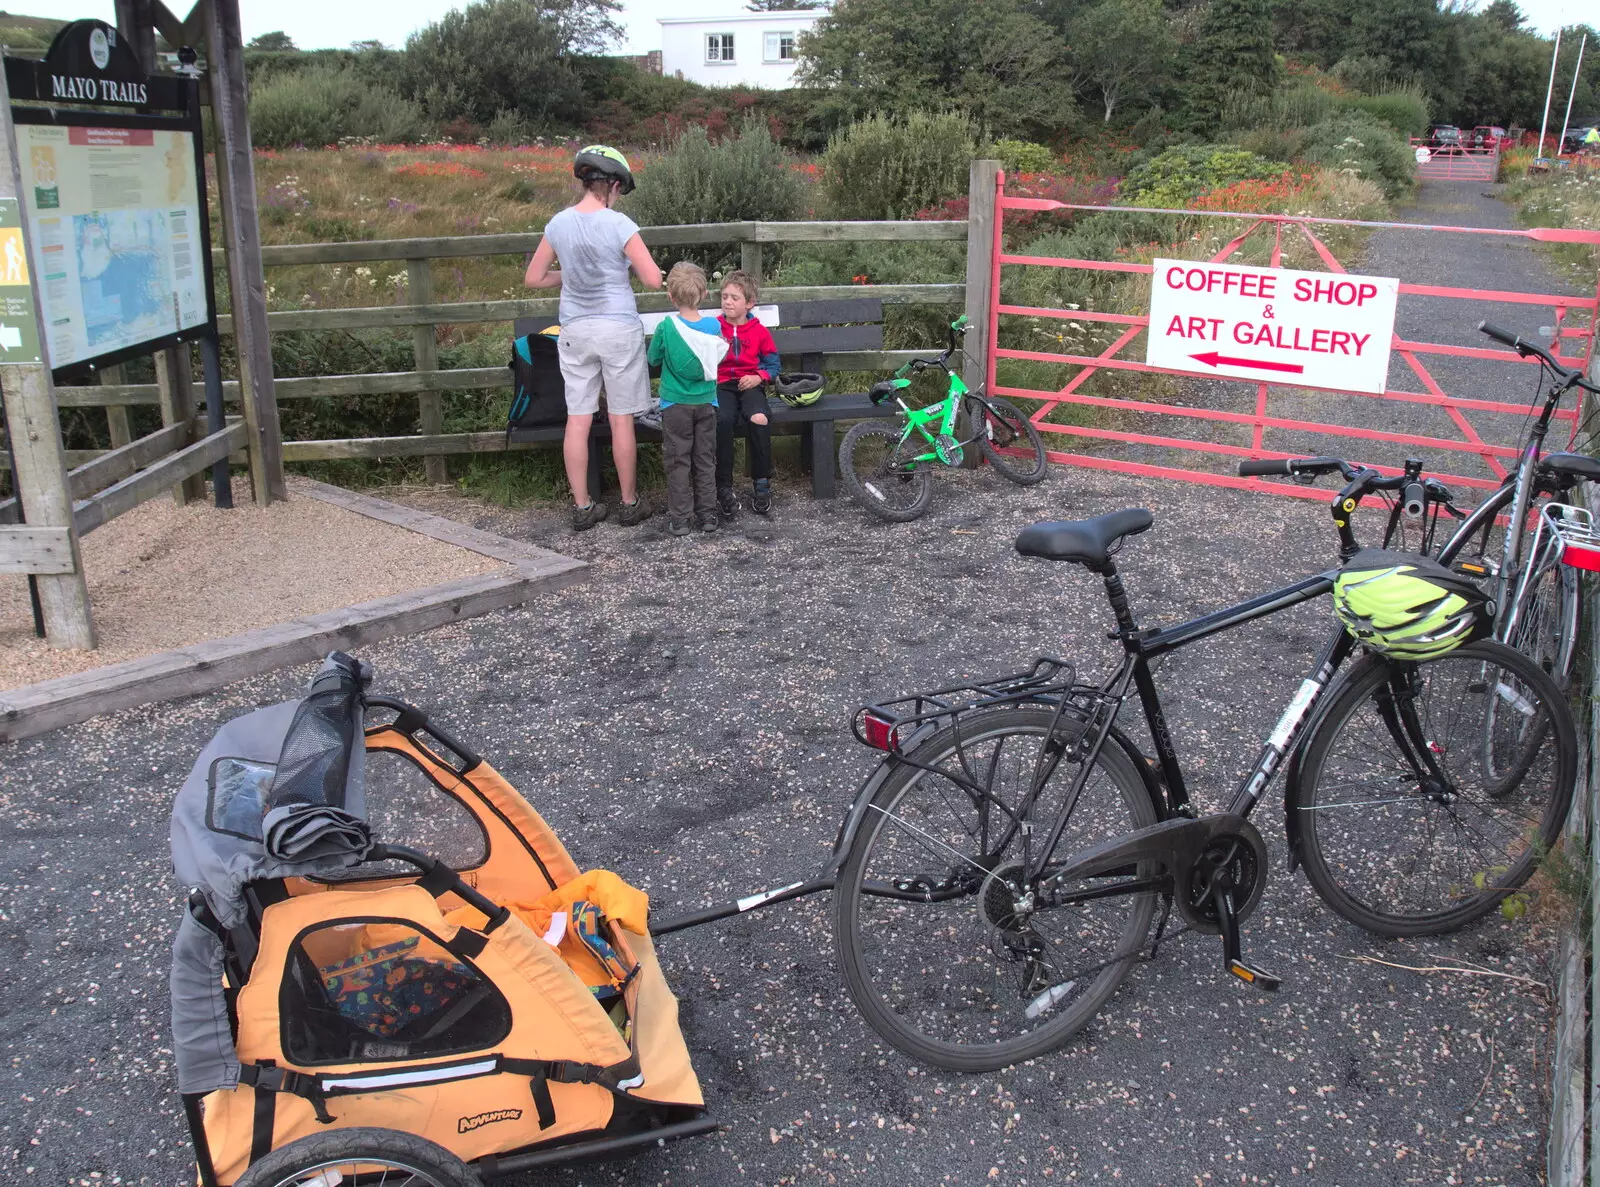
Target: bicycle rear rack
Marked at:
1574, 529
887, 725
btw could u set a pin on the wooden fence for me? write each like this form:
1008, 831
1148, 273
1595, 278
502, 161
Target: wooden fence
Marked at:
422, 314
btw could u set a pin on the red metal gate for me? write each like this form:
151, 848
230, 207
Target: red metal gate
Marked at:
1579, 333
1456, 162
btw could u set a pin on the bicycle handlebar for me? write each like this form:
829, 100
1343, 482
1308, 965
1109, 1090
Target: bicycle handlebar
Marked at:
1290, 467
1567, 376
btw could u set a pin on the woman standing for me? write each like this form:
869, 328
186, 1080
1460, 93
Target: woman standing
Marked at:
602, 339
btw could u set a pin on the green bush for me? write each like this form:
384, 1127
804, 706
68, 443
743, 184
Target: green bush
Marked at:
1189, 170
1023, 156
880, 168
324, 104
1357, 143
1405, 110
1290, 107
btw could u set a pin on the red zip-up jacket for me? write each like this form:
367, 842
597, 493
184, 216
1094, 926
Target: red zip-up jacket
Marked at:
751, 351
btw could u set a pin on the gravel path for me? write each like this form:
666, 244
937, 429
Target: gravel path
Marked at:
682, 719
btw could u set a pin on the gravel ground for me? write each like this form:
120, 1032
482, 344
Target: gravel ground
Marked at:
682, 719
164, 576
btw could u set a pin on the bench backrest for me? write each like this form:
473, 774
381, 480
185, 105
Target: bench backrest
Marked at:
802, 330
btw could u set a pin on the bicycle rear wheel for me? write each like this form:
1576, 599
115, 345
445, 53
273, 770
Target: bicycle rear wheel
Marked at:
941, 946
879, 472
1402, 830
1000, 425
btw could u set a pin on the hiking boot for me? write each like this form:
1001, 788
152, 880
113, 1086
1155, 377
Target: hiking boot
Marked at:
635, 512
584, 518
727, 502
761, 501
708, 521
678, 527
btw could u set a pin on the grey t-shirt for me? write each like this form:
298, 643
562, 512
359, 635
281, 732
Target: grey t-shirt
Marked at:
594, 272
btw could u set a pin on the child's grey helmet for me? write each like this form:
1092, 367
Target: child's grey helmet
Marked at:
798, 388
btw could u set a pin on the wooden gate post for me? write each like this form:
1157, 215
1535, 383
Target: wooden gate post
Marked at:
425, 349
46, 546
981, 213
247, 286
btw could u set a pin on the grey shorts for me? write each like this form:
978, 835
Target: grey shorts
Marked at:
596, 350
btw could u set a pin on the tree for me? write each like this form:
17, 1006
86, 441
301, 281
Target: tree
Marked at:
1122, 48
1506, 15
784, 5
1234, 55
275, 42
499, 55
367, 45
996, 63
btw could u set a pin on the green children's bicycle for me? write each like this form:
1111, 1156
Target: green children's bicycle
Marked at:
886, 463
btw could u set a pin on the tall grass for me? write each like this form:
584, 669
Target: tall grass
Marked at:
324, 104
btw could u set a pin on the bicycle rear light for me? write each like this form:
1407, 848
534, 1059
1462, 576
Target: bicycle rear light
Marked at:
1574, 528
876, 731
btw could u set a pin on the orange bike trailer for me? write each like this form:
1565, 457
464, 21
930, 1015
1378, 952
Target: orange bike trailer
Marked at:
344, 1004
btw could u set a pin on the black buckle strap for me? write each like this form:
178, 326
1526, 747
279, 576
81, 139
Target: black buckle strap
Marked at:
270, 1078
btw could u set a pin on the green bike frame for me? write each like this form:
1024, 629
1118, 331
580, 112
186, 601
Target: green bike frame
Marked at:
942, 415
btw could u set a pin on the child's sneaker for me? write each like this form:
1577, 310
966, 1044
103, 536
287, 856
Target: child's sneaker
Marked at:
678, 527
708, 521
762, 499
727, 502
635, 512
584, 518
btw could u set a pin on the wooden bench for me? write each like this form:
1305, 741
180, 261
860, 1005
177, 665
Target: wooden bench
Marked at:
803, 331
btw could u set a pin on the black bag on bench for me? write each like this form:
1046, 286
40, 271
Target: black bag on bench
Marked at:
539, 396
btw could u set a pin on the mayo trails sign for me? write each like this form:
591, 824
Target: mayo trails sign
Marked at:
1313, 329
90, 62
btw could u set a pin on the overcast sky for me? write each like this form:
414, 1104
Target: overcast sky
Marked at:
319, 24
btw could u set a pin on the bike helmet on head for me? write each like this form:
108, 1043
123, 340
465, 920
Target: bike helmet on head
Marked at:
1406, 606
601, 162
798, 388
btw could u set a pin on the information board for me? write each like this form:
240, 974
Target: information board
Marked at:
1314, 329
118, 240
19, 330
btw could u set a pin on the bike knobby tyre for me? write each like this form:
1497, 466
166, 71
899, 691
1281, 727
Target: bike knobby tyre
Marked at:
1403, 856
937, 969
360, 1155
1001, 425
875, 469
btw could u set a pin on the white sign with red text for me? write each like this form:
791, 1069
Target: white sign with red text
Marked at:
1317, 329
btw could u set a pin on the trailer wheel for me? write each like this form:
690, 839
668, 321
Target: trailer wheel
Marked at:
360, 1157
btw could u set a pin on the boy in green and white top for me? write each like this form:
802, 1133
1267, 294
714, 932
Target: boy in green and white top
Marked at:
688, 347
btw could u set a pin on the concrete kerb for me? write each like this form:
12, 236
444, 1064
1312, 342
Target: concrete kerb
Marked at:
184, 671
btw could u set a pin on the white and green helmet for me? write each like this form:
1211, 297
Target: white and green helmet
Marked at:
601, 162
1407, 606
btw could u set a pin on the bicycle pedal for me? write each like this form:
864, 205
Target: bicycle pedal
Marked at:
1265, 982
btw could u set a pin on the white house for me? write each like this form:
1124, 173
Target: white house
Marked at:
752, 49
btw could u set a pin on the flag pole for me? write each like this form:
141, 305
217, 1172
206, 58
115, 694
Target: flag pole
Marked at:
1571, 95
1549, 92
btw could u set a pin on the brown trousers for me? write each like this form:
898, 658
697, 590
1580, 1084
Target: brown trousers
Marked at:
689, 451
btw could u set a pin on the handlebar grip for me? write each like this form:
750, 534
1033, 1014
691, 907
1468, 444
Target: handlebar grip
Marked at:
1413, 500
1265, 468
1498, 334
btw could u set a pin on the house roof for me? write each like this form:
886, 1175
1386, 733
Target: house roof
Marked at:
801, 14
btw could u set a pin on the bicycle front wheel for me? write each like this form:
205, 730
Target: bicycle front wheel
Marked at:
1001, 426
1404, 828
948, 955
880, 474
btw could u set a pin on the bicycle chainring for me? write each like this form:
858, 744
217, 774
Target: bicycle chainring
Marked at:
948, 449
1239, 860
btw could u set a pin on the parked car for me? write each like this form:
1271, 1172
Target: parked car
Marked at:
1488, 137
1444, 138
1581, 137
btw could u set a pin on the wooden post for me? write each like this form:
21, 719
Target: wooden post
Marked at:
38, 466
750, 259
116, 414
175, 379
425, 348
981, 214
236, 183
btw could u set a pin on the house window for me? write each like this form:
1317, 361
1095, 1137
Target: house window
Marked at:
719, 47
779, 47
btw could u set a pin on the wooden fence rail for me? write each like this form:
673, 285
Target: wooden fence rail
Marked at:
422, 314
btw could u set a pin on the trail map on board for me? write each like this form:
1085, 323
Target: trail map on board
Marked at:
115, 221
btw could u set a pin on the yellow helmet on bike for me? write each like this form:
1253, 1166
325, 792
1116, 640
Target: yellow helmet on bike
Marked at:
1407, 606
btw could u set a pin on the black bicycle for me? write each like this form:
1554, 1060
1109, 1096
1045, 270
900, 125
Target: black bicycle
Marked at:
1015, 854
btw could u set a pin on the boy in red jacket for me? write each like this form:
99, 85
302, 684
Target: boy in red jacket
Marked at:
750, 364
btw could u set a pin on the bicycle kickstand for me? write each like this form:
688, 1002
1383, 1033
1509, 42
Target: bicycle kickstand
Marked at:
1231, 953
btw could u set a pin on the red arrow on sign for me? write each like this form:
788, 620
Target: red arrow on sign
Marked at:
1212, 359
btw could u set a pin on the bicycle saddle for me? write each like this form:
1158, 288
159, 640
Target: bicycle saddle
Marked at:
879, 392
1572, 465
1087, 541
